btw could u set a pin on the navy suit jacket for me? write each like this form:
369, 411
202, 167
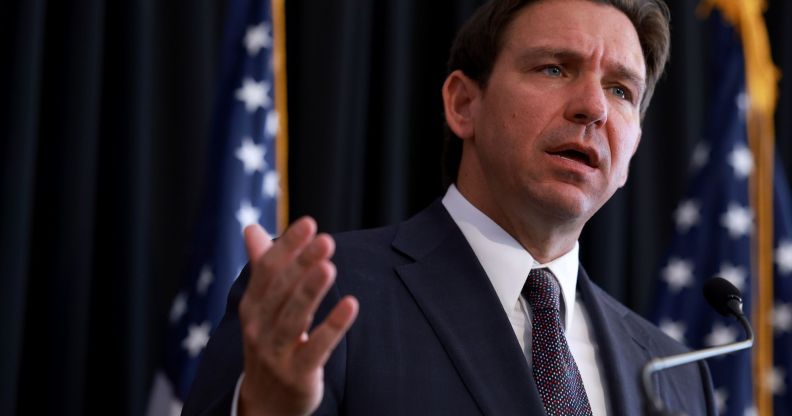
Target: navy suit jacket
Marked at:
432, 337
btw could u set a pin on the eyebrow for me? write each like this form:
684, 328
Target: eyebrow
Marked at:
562, 54
544, 51
631, 76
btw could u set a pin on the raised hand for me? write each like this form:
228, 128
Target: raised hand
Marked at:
288, 279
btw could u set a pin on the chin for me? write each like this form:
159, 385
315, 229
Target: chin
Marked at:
569, 214
567, 208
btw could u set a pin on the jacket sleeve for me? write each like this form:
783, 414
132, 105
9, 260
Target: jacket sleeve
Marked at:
221, 361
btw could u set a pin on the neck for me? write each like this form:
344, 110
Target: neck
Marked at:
544, 238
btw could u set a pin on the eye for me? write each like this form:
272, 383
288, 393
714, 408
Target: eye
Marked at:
621, 92
553, 70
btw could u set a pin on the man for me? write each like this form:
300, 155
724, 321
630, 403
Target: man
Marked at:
459, 306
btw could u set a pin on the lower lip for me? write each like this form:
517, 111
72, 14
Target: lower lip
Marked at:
571, 164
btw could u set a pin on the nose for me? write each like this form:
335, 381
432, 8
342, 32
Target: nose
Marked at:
588, 104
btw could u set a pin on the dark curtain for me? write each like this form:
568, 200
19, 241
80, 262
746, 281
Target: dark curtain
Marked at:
105, 118
104, 121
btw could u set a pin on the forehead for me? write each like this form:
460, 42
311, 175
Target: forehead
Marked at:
591, 29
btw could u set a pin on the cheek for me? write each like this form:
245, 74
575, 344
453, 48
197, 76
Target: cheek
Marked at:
509, 123
621, 154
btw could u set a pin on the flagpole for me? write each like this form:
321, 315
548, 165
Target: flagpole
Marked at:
761, 137
279, 64
762, 196
761, 78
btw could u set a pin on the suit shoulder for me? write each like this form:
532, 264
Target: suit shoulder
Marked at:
360, 239
365, 257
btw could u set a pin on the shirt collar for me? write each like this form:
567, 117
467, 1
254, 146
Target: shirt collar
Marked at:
504, 260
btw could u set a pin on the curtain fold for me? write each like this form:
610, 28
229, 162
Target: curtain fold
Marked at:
104, 127
21, 30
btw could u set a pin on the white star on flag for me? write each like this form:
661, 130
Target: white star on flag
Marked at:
247, 214
783, 257
678, 274
738, 220
271, 185
686, 215
251, 155
721, 334
782, 318
197, 338
271, 124
750, 411
775, 380
204, 279
700, 155
743, 102
257, 37
673, 329
178, 308
741, 161
245, 124
254, 94
734, 274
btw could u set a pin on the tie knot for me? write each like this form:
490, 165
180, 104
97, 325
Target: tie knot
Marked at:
542, 291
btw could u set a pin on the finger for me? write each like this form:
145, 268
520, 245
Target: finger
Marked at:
287, 312
257, 241
316, 252
266, 304
327, 335
296, 315
273, 261
291, 243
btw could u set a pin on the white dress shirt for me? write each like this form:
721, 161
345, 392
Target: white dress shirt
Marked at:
507, 265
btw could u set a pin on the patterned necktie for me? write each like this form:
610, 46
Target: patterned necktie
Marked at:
554, 369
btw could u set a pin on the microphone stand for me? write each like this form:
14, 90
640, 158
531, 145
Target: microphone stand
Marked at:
654, 404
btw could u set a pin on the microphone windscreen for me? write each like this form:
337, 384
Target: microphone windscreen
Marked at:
718, 292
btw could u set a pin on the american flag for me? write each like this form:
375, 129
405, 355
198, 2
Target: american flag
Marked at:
242, 188
779, 378
714, 226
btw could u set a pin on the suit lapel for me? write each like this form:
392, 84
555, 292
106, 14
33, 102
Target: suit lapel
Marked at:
457, 298
622, 346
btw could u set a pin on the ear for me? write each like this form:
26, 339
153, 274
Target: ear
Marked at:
460, 101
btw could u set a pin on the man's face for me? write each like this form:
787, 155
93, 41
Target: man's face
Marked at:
552, 132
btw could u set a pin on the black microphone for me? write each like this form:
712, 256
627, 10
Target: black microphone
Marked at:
724, 298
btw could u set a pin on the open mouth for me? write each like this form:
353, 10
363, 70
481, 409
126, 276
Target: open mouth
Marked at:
576, 155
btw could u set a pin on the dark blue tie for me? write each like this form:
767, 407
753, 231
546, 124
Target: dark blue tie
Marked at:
554, 369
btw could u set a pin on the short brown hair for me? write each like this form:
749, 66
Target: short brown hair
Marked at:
479, 41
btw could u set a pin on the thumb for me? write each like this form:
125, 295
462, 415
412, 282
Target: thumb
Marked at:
257, 241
